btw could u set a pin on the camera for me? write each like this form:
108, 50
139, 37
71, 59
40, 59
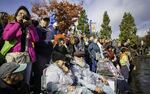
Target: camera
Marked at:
26, 17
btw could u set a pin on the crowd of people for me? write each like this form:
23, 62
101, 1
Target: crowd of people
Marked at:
35, 58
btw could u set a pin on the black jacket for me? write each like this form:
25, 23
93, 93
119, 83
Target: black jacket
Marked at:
20, 88
44, 46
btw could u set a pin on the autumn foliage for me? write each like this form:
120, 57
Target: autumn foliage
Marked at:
66, 13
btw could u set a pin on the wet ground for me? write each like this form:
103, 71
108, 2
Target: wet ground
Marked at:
141, 76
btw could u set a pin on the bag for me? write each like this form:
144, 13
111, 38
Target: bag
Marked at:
18, 57
98, 56
7, 46
5, 49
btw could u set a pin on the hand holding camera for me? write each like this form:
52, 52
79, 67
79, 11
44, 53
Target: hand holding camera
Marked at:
26, 21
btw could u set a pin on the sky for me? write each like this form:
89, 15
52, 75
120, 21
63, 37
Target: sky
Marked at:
139, 9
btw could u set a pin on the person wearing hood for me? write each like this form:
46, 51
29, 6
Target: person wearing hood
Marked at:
94, 82
24, 33
60, 79
11, 79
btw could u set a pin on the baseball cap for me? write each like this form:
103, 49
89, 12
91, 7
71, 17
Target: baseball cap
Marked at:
21, 67
8, 68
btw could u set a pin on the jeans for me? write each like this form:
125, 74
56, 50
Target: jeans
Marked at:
27, 73
93, 66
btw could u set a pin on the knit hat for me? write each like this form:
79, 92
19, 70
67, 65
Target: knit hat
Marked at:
58, 56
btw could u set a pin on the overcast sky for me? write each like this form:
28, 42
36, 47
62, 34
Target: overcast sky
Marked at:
140, 9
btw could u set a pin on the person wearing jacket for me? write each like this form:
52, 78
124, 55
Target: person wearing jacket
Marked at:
11, 79
90, 80
3, 23
23, 32
43, 50
124, 61
60, 79
93, 49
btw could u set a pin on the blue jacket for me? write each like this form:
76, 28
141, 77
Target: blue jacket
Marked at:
93, 49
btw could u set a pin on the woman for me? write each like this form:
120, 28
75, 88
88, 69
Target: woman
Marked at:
111, 55
124, 61
24, 33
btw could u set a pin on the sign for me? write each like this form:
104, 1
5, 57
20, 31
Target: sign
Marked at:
93, 26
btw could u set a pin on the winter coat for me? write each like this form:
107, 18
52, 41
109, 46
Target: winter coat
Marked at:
20, 88
43, 43
13, 31
85, 76
57, 80
55, 75
93, 49
90, 79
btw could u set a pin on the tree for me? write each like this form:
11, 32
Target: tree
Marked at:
147, 39
65, 12
128, 29
105, 31
10, 18
83, 23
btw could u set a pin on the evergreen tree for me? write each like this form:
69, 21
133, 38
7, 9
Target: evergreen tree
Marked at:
147, 39
83, 23
128, 29
105, 31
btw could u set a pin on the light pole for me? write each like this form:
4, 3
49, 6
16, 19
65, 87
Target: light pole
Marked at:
90, 26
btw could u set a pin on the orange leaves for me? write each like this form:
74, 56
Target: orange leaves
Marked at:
40, 10
65, 12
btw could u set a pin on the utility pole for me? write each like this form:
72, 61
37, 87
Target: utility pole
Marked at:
90, 26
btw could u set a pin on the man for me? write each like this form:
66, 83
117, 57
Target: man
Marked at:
43, 50
44, 46
93, 50
60, 79
11, 79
